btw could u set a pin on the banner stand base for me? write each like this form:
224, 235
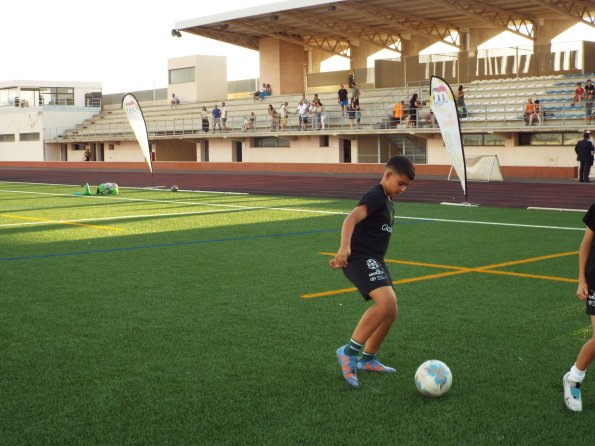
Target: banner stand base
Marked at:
463, 203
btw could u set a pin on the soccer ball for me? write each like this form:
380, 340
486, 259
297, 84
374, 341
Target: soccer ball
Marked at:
174, 188
433, 378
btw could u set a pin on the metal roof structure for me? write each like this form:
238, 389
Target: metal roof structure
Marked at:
333, 26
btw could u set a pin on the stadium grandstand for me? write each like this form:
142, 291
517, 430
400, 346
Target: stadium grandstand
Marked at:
294, 38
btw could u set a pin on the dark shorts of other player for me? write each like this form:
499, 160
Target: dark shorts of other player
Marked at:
367, 274
590, 310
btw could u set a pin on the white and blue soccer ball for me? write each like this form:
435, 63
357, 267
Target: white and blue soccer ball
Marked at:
174, 188
433, 378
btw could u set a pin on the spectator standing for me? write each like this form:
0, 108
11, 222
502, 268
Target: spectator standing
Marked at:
588, 107
87, 154
589, 88
216, 119
302, 111
204, 114
274, 117
584, 154
355, 94
283, 115
578, 94
412, 118
342, 99
461, 106
224, 116
174, 100
313, 110
323, 115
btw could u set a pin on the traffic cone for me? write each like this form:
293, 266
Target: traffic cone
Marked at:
87, 191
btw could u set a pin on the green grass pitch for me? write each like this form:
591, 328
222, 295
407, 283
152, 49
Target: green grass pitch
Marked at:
162, 318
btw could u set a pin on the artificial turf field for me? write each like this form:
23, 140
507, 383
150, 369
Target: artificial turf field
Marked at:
203, 318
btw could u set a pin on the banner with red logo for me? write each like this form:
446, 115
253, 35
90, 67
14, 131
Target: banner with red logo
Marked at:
444, 106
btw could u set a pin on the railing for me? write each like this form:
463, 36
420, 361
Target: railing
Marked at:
479, 116
89, 103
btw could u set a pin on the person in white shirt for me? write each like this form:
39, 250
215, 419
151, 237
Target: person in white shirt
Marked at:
224, 116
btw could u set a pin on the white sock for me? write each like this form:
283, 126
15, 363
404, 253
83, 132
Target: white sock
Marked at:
576, 375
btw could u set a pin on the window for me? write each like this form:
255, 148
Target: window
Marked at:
324, 141
271, 142
570, 139
546, 139
541, 139
111, 147
7, 96
481, 139
57, 95
29, 136
7, 137
181, 75
473, 139
489, 139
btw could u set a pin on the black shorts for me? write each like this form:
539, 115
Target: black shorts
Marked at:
591, 303
367, 274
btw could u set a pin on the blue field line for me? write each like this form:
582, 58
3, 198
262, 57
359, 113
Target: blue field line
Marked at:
169, 245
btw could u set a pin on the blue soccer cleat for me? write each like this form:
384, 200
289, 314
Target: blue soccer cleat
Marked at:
373, 365
348, 367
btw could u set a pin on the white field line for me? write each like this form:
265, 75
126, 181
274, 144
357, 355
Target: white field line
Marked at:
310, 211
121, 217
161, 188
537, 208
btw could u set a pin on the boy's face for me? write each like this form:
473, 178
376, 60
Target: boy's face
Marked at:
395, 183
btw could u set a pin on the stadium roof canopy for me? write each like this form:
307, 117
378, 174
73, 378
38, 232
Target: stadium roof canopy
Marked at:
331, 25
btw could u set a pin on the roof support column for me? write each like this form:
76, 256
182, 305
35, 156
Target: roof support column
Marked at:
282, 64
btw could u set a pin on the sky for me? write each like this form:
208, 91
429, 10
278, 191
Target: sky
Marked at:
123, 44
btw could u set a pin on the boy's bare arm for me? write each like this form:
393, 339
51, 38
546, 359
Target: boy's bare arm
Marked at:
583, 288
354, 217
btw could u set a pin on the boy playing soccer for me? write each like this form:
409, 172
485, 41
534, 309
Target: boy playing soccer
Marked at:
364, 241
586, 291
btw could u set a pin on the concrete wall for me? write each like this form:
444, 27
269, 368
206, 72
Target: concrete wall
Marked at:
305, 148
123, 151
175, 150
509, 154
15, 123
210, 78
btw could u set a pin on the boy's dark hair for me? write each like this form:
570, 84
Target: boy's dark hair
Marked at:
401, 165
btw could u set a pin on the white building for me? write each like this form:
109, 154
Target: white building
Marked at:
31, 111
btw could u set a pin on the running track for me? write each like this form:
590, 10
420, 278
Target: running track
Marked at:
515, 194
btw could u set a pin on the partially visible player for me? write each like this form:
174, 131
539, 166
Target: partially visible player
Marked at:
364, 241
586, 291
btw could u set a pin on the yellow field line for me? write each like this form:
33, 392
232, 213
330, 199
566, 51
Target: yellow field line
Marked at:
529, 276
407, 262
18, 217
532, 259
487, 269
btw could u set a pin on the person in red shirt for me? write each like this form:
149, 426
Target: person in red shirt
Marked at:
578, 94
